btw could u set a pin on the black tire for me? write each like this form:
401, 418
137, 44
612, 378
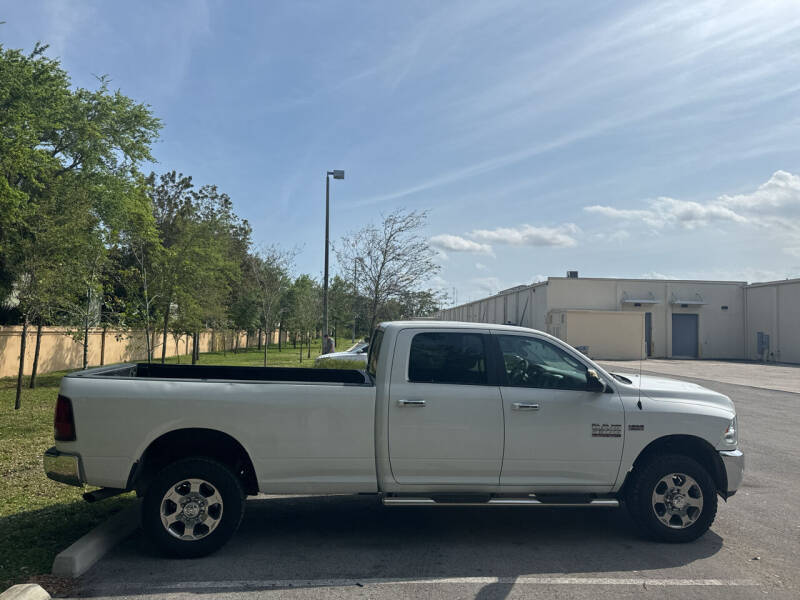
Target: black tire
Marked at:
689, 522
220, 519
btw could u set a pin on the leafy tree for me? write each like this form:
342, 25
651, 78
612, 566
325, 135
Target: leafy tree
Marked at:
202, 247
55, 139
172, 209
341, 304
224, 239
409, 305
130, 285
269, 270
305, 298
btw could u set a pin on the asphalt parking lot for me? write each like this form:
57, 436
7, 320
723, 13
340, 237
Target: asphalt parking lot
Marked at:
340, 546
769, 376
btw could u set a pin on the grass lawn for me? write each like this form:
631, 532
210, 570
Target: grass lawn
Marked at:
39, 517
287, 357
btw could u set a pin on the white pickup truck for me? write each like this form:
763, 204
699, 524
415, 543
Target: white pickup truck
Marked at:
446, 414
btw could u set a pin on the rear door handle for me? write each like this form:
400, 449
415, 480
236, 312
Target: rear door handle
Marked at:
525, 406
411, 402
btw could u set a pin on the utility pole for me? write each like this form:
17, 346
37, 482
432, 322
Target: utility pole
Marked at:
337, 174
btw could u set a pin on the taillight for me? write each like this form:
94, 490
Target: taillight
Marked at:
64, 422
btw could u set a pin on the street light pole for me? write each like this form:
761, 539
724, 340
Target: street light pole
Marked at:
337, 174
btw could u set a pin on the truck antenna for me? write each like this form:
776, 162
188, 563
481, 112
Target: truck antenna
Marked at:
641, 358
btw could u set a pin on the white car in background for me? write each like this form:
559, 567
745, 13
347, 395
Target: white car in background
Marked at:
357, 351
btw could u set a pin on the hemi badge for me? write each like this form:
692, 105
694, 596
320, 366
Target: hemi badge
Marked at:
635, 427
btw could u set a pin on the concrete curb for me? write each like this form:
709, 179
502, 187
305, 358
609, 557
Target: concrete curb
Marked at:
80, 556
25, 591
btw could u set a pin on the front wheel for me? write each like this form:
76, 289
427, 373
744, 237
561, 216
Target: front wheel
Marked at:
192, 507
673, 498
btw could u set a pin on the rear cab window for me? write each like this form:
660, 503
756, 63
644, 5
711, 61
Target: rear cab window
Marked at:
448, 357
374, 352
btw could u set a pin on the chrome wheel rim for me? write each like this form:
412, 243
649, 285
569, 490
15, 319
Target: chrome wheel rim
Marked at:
677, 500
191, 509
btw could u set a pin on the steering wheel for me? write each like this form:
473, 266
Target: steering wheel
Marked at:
520, 370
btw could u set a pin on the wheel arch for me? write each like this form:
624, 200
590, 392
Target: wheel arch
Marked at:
688, 445
187, 442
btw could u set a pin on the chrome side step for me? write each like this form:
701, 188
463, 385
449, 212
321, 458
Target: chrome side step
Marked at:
530, 501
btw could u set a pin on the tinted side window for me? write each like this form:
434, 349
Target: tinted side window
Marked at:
374, 351
448, 358
532, 362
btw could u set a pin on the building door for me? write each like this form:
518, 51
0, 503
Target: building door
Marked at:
684, 335
648, 333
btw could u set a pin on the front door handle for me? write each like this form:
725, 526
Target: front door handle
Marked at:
525, 406
411, 402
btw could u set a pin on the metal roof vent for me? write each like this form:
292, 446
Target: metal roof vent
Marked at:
572, 274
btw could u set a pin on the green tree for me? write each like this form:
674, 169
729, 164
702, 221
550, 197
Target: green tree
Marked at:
269, 273
341, 301
202, 247
135, 257
55, 139
304, 318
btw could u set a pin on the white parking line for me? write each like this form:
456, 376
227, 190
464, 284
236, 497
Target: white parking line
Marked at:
524, 580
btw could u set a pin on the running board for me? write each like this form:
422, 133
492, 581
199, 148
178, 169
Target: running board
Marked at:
410, 501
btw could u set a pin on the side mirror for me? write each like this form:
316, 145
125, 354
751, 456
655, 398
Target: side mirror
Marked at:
593, 383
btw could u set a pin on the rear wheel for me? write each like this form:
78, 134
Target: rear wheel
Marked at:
673, 498
192, 507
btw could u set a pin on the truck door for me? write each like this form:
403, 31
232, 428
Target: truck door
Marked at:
557, 432
445, 410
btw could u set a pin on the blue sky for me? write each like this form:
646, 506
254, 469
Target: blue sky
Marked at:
626, 139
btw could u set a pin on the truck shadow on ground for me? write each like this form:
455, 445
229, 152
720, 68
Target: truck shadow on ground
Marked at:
303, 539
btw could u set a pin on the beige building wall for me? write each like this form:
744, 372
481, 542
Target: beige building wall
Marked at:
525, 306
720, 330
610, 335
60, 350
729, 313
774, 309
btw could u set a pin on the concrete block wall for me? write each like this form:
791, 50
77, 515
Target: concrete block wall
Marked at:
61, 350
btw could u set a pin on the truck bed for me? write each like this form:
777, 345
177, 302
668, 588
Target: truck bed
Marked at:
228, 373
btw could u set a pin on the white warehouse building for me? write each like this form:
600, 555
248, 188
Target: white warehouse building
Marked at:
633, 318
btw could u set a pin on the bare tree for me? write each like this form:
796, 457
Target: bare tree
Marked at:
393, 259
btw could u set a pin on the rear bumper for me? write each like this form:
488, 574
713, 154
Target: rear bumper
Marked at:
64, 468
733, 461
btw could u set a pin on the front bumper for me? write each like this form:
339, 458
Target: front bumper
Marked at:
64, 468
733, 461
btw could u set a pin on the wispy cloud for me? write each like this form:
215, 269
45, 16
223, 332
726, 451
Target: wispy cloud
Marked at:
456, 243
776, 203
664, 212
528, 235
611, 236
